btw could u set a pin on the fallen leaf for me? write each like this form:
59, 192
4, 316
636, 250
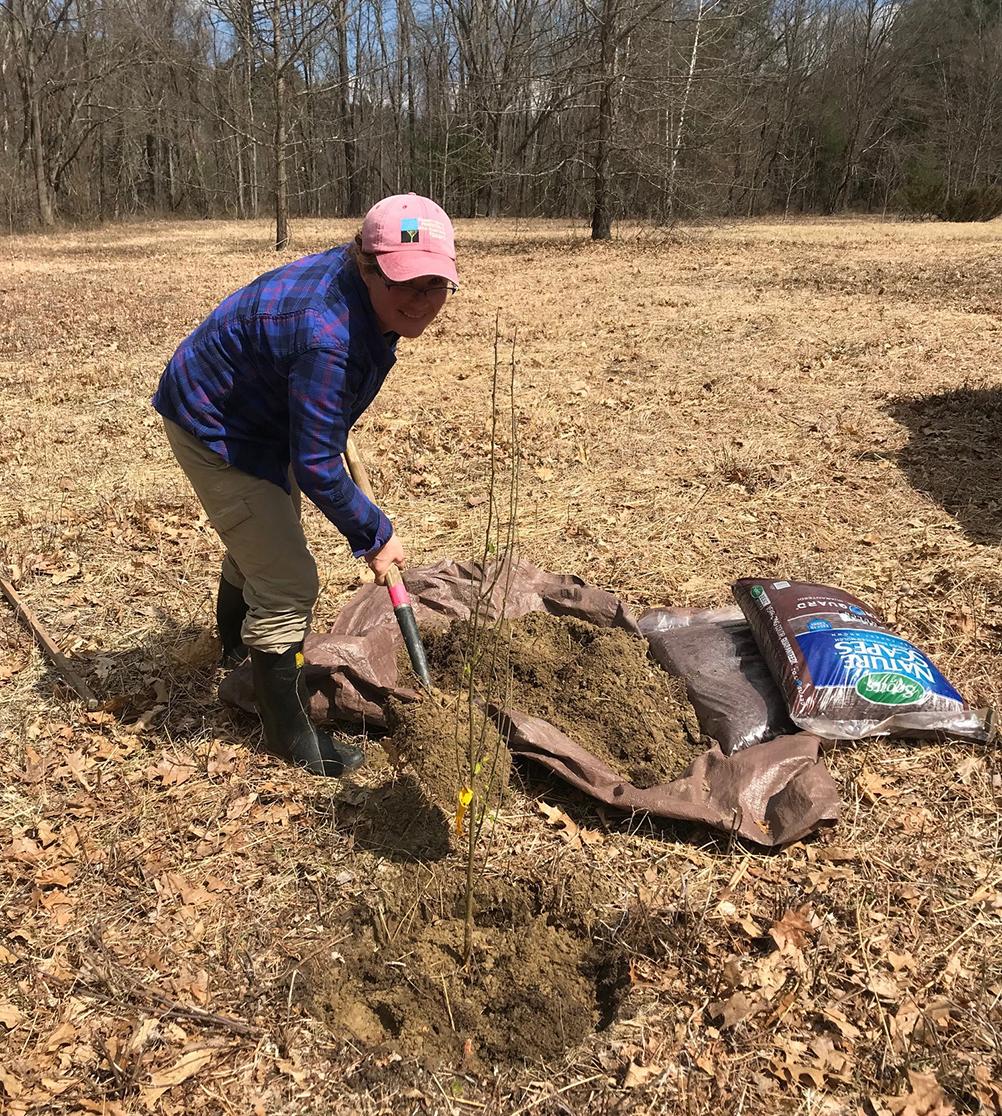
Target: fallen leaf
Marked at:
569, 829
742, 1005
293, 1069
900, 961
59, 876
926, 1098
66, 574
967, 767
873, 787
557, 818
195, 984
837, 854
222, 760
988, 1091
75, 763
57, 1086
144, 720
64, 1035
170, 773
10, 1016
141, 1036
100, 717
793, 1073
11, 1084
790, 933
845, 1028
639, 1075
884, 988
183, 1069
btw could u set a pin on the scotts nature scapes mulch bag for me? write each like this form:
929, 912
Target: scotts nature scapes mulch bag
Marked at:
843, 673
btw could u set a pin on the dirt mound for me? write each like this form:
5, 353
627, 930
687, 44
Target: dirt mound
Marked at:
433, 738
534, 986
537, 982
597, 685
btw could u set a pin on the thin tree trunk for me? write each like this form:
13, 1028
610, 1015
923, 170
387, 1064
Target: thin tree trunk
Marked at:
601, 217
281, 170
46, 209
351, 199
27, 65
248, 78
680, 129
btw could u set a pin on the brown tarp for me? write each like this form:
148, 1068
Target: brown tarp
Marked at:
771, 794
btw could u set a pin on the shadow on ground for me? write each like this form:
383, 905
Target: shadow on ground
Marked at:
953, 455
395, 820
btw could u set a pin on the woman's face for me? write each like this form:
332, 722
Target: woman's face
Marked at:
405, 308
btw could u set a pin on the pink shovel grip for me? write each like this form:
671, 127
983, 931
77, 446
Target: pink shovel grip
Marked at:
398, 595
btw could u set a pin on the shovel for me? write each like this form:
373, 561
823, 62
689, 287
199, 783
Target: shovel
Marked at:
398, 592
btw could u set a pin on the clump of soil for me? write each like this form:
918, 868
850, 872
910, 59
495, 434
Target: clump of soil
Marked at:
433, 736
533, 987
597, 685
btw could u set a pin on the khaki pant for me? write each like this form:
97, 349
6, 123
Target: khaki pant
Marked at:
266, 551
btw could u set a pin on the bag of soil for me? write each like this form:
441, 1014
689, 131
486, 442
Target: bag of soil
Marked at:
726, 678
843, 673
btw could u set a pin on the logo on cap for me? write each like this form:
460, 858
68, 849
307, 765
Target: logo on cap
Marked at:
409, 233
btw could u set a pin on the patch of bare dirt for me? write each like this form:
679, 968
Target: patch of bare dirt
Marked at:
533, 988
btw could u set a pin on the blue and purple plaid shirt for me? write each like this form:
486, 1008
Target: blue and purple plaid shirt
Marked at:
279, 372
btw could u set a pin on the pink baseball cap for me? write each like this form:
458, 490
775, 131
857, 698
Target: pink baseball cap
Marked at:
411, 236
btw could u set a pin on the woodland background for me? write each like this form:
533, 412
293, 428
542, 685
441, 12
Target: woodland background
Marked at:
608, 109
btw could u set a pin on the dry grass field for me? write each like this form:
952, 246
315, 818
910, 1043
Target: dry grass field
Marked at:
820, 401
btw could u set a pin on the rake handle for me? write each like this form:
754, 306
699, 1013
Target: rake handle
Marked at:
402, 609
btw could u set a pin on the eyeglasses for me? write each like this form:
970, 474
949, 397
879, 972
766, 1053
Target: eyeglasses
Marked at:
433, 290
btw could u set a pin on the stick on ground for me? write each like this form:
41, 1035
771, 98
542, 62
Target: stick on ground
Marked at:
45, 641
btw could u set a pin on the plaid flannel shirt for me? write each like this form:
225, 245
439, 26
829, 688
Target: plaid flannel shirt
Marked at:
279, 373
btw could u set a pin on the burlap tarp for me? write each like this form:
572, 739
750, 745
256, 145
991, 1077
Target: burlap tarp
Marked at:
771, 794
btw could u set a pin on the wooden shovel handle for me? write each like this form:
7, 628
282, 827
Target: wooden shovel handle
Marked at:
402, 608
360, 475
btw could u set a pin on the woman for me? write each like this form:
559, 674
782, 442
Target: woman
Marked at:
257, 404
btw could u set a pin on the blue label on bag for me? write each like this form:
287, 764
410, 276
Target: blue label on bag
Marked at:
881, 667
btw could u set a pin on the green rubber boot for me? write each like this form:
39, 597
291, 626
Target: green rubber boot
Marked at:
282, 702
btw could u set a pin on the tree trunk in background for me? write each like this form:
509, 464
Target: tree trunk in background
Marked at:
678, 137
281, 170
601, 216
248, 78
149, 171
36, 140
5, 108
351, 193
407, 49
23, 30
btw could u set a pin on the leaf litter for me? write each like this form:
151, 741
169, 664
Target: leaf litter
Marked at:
93, 824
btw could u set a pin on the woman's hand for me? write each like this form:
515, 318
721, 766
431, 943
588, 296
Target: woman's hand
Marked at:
390, 554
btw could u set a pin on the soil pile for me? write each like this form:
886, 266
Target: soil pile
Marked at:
433, 737
597, 685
